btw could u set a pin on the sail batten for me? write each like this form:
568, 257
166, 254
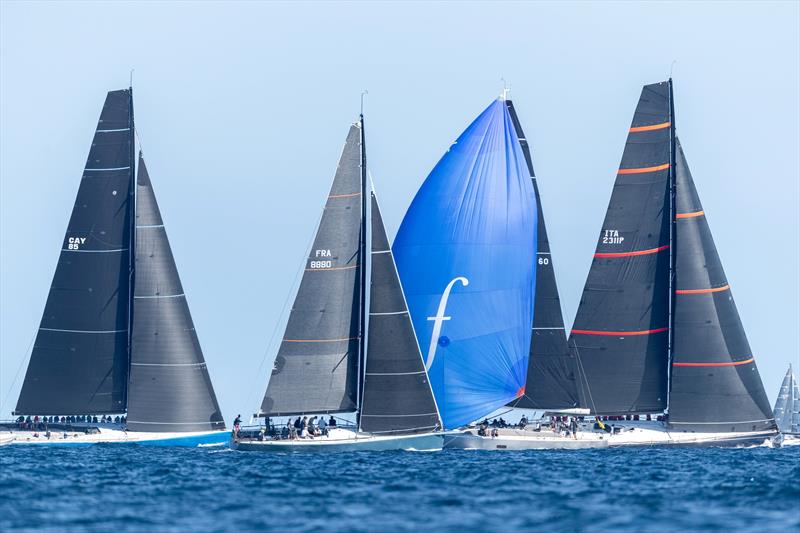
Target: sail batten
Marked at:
316, 368
80, 356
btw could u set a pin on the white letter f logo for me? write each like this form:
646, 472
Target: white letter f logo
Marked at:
439, 318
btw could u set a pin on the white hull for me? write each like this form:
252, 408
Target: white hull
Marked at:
6, 438
627, 434
658, 434
115, 435
342, 440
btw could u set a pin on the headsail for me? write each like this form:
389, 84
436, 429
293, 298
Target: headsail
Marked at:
552, 374
397, 394
170, 389
465, 253
79, 361
316, 369
787, 405
715, 382
620, 334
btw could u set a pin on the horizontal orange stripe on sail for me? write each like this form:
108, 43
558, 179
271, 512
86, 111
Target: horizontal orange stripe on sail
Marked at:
320, 340
703, 291
331, 268
651, 128
734, 363
618, 333
690, 215
642, 170
632, 254
344, 195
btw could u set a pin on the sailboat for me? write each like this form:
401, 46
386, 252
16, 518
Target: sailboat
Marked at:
787, 408
657, 333
475, 263
116, 336
349, 344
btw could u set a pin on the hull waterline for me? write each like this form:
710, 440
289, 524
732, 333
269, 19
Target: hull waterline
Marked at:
523, 440
120, 437
344, 442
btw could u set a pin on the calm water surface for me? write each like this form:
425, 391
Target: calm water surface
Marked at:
114, 488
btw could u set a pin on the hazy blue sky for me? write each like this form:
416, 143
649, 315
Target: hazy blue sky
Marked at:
243, 108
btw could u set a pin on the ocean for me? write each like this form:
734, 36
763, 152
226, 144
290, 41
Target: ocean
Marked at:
117, 488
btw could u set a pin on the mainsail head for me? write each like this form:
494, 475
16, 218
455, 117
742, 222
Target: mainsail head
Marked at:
465, 252
169, 385
79, 361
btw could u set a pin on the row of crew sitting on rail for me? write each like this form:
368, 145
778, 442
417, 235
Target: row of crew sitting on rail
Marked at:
38, 422
305, 428
302, 428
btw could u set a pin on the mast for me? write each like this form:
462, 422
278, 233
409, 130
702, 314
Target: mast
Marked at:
672, 255
362, 322
132, 241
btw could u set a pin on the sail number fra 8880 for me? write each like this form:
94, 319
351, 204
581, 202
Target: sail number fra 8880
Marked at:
321, 263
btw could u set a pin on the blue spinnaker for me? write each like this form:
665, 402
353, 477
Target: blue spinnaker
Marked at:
465, 253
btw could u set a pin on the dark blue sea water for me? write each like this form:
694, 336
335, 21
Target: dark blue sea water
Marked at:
113, 488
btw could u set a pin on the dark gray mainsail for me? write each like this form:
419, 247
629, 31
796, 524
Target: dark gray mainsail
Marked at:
715, 382
552, 371
79, 361
397, 396
621, 330
316, 368
169, 386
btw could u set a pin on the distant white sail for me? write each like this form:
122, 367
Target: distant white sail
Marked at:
787, 406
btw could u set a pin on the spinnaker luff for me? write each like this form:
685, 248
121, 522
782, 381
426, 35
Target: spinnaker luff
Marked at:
465, 253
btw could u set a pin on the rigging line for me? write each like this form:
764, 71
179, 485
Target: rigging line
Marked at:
291, 292
583, 373
16, 376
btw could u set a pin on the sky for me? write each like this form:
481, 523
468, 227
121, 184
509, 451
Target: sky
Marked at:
242, 110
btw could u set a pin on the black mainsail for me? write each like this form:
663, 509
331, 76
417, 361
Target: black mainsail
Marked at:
79, 361
316, 369
116, 335
715, 382
657, 312
169, 385
552, 373
397, 395
325, 364
621, 330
